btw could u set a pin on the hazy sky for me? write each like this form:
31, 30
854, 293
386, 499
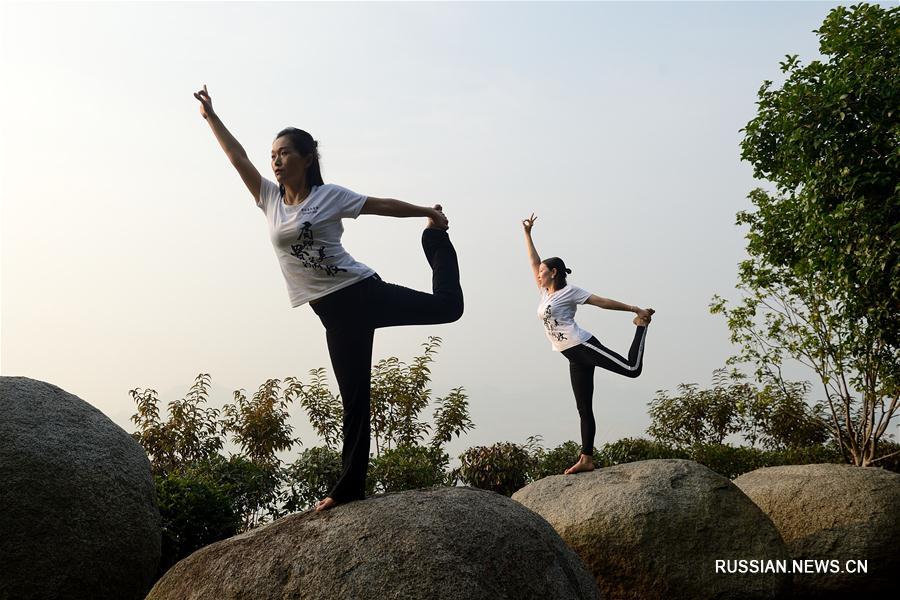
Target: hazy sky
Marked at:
133, 256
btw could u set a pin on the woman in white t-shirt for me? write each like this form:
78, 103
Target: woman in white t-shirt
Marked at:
304, 221
559, 301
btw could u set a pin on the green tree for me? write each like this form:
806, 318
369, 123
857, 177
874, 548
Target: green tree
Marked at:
260, 424
695, 416
822, 281
323, 408
189, 435
259, 485
451, 417
776, 415
400, 394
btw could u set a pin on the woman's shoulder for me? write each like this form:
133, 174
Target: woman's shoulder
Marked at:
334, 190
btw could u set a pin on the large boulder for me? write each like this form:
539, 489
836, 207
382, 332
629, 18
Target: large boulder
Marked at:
655, 529
440, 544
837, 513
78, 516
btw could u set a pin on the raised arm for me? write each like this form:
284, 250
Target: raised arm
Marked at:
388, 207
533, 258
233, 149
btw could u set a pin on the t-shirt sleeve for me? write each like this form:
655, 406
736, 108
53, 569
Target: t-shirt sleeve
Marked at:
269, 192
346, 204
579, 295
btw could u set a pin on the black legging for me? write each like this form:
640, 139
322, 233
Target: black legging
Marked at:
351, 315
582, 360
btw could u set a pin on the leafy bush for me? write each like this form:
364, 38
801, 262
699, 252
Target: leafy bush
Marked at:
195, 512
310, 477
891, 450
808, 455
629, 450
502, 468
408, 468
556, 460
254, 489
776, 415
731, 461
260, 424
189, 435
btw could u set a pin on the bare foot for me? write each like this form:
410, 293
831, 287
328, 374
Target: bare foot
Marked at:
585, 463
325, 504
644, 316
441, 222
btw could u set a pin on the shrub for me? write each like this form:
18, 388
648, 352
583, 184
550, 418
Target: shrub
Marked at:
408, 468
502, 468
633, 449
254, 489
195, 512
892, 451
731, 461
310, 477
556, 460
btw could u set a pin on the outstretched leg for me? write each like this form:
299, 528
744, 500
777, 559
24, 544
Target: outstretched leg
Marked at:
397, 305
601, 356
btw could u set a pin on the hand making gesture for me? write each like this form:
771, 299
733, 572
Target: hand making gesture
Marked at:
206, 108
529, 223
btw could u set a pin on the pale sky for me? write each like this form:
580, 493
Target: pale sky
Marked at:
133, 256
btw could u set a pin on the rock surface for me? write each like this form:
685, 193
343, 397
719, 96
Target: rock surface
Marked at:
654, 529
834, 512
435, 544
79, 516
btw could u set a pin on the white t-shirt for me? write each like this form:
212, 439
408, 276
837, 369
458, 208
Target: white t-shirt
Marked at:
557, 311
307, 239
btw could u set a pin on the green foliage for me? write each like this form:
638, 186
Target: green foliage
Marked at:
554, 461
451, 417
629, 450
400, 393
253, 488
195, 512
260, 424
780, 419
323, 409
502, 468
409, 468
888, 456
730, 461
311, 476
189, 435
775, 415
822, 284
187, 445
696, 416
256, 483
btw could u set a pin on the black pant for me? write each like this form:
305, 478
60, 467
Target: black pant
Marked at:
351, 315
582, 360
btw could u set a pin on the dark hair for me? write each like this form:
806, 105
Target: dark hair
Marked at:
305, 145
555, 262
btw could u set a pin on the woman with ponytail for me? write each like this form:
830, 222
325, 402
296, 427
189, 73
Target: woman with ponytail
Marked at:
304, 220
559, 301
